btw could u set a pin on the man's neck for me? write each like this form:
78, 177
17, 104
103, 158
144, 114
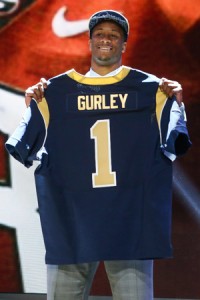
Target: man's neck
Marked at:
104, 70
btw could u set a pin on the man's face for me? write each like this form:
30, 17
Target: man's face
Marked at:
107, 43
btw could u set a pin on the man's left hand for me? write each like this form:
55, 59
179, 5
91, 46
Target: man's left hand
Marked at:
170, 88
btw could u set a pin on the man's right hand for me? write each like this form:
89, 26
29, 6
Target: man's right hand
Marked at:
36, 91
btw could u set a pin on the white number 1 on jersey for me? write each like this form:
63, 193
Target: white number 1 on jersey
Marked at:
104, 177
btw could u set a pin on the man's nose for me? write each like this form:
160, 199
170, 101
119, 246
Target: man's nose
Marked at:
106, 39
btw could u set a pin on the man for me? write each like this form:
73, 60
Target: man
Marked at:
106, 142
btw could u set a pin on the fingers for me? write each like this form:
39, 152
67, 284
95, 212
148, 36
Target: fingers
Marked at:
36, 91
170, 88
44, 82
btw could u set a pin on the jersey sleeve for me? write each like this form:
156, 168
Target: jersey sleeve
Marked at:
177, 140
29, 136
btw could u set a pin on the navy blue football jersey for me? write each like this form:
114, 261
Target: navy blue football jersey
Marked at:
104, 184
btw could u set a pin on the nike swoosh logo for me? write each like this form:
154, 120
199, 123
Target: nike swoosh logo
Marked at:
64, 28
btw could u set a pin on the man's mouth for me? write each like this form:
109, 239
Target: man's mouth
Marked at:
105, 48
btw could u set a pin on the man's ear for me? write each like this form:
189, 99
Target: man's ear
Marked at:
89, 43
124, 47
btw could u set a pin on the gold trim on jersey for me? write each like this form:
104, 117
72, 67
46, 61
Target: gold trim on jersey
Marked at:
161, 100
44, 110
98, 80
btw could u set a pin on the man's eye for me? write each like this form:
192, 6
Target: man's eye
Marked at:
99, 34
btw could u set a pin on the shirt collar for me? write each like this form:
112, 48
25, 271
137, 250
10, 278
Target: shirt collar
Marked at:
92, 73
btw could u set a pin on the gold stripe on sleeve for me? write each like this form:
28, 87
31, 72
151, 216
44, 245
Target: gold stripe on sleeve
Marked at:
44, 110
160, 103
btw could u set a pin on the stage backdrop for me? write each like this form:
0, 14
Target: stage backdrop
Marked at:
43, 38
